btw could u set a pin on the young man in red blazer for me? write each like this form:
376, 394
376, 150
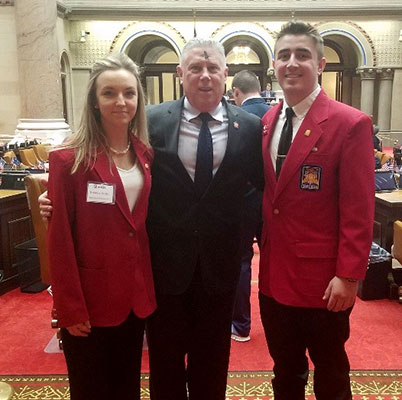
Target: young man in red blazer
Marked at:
318, 209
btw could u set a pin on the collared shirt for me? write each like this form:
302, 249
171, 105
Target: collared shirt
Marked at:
301, 109
190, 126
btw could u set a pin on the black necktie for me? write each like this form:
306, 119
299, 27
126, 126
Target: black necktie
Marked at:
203, 168
285, 141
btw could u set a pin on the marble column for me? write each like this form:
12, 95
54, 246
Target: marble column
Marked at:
384, 99
38, 59
396, 110
367, 77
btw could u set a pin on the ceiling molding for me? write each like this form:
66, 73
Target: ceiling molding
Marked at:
241, 8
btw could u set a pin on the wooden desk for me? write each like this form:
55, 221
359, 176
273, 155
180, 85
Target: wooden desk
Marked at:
15, 228
388, 208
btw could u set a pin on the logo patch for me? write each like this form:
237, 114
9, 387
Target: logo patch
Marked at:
310, 177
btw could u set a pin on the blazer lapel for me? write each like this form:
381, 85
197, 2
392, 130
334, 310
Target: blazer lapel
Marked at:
267, 133
145, 166
305, 139
108, 173
172, 126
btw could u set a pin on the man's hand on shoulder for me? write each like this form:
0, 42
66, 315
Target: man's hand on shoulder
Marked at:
340, 293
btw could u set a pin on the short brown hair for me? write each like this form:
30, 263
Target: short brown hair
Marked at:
246, 81
302, 28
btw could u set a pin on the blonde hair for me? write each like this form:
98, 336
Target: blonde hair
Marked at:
90, 136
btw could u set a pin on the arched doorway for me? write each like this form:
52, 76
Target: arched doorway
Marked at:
155, 47
339, 78
158, 59
245, 52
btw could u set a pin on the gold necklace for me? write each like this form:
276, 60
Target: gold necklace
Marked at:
122, 152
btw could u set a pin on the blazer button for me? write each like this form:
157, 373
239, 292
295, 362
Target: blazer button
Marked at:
276, 211
130, 234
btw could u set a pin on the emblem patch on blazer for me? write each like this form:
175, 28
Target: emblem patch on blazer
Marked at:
310, 177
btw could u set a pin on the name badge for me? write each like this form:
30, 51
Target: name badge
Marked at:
98, 192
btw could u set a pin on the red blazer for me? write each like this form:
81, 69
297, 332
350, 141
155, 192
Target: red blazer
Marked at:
99, 253
318, 217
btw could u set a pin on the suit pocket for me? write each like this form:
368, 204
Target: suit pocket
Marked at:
316, 266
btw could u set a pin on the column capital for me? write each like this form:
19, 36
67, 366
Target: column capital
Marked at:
385, 73
349, 72
366, 73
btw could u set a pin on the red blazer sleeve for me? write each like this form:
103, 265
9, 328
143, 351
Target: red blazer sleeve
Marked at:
67, 292
356, 200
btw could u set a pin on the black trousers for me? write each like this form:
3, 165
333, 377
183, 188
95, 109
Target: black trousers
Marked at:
106, 364
251, 227
290, 331
189, 345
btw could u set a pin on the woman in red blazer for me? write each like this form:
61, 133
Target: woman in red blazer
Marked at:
100, 265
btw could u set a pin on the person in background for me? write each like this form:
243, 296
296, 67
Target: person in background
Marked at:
229, 95
318, 214
268, 92
246, 93
99, 257
376, 140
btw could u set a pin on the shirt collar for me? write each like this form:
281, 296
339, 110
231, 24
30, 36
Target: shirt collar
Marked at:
190, 112
302, 108
251, 97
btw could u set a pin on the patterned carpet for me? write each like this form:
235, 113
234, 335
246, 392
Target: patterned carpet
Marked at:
366, 385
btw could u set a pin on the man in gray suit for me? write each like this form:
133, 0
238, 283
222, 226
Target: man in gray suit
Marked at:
195, 235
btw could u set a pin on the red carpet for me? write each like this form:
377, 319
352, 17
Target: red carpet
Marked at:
375, 342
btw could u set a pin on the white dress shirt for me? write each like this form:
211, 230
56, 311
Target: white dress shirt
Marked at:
190, 126
301, 109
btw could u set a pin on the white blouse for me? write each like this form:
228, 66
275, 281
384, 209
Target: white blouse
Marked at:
133, 181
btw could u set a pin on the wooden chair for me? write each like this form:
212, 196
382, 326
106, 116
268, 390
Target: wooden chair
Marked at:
28, 157
8, 156
41, 153
384, 157
34, 189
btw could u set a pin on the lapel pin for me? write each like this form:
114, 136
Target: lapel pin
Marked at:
146, 165
314, 149
236, 125
307, 133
